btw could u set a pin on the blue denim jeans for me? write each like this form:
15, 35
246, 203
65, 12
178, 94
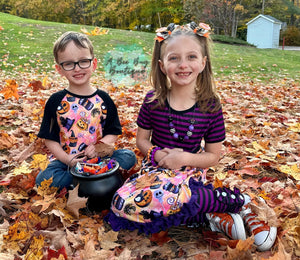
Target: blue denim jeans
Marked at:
63, 178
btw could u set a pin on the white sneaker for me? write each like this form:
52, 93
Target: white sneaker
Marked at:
229, 223
264, 235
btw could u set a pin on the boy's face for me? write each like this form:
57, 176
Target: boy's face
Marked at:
77, 77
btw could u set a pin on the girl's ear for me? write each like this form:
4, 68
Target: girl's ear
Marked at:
203, 63
161, 65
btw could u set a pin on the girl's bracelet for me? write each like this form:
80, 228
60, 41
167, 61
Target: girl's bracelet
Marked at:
154, 150
149, 152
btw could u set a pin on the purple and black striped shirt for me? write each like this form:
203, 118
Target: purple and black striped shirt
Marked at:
208, 126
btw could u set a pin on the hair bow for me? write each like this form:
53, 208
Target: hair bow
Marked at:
202, 29
164, 32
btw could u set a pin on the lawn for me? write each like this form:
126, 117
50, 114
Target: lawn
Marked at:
26, 45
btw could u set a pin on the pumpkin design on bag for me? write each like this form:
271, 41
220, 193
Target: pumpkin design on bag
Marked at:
143, 199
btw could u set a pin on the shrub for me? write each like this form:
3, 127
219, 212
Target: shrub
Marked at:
291, 36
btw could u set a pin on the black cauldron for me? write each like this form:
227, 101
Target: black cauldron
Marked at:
99, 189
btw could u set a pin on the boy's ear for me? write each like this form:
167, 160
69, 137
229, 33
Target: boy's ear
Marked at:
58, 69
94, 64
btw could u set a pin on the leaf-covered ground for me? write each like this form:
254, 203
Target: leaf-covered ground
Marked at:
261, 157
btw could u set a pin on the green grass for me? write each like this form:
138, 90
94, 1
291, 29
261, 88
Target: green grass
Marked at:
26, 45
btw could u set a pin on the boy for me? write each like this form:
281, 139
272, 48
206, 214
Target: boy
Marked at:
80, 117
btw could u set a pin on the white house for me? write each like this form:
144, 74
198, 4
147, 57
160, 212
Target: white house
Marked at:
263, 31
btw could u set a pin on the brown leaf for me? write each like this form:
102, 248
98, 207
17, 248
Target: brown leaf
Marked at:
281, 254
75, 203
242, 250
145, 180
36, 85
45, 203
265, 213
6, 141
160, 238
107, 239
38, 146
104, 149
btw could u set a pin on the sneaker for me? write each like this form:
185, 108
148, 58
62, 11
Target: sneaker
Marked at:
229, 223
264, 235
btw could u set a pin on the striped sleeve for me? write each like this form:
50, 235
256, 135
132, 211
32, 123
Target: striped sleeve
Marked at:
216, 130
144, 116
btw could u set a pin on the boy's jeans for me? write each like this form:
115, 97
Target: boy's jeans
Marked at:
63, 178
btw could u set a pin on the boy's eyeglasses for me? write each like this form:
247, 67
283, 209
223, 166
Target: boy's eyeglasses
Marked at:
69, 65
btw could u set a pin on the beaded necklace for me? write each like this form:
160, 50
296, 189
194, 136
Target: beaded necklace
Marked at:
172, 128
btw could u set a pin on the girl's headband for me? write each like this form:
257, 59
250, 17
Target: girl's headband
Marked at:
164, 32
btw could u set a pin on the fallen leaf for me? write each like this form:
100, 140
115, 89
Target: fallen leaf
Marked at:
104, 149
40, 161
242, 250
75, 202
291, 170
10, 89
107, 239
6, 141
36, 85
281, 254
145, 180
45, 203
160, 238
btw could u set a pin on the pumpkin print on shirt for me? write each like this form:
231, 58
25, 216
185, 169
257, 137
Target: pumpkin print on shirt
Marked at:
81, 122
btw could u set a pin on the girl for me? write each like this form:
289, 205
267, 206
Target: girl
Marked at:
181, 111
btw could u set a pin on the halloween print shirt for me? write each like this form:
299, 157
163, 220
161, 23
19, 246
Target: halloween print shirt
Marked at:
78, 121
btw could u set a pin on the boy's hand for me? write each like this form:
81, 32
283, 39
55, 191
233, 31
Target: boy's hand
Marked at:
75, 158
90, 151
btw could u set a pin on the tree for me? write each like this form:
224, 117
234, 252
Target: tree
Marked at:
223, 14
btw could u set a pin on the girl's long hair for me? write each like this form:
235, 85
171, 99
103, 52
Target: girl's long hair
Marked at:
206, 96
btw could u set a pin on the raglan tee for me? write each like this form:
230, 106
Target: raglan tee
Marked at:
77, 121
208, 126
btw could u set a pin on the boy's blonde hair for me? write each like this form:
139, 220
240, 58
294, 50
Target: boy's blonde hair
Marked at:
205, 92
80, 40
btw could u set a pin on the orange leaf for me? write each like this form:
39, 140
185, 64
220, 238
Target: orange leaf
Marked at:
218, 183
10, 89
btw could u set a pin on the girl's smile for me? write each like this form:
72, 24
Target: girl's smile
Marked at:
182, 61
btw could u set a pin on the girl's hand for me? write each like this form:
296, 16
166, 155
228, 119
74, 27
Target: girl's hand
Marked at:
172, 159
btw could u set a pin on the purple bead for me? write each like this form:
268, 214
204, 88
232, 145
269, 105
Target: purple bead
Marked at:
175, 135
191, 128
186, 138
171, 124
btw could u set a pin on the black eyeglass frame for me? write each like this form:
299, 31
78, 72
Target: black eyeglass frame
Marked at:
76, 63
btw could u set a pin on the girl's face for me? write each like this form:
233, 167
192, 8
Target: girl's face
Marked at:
182, 61
77, 77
